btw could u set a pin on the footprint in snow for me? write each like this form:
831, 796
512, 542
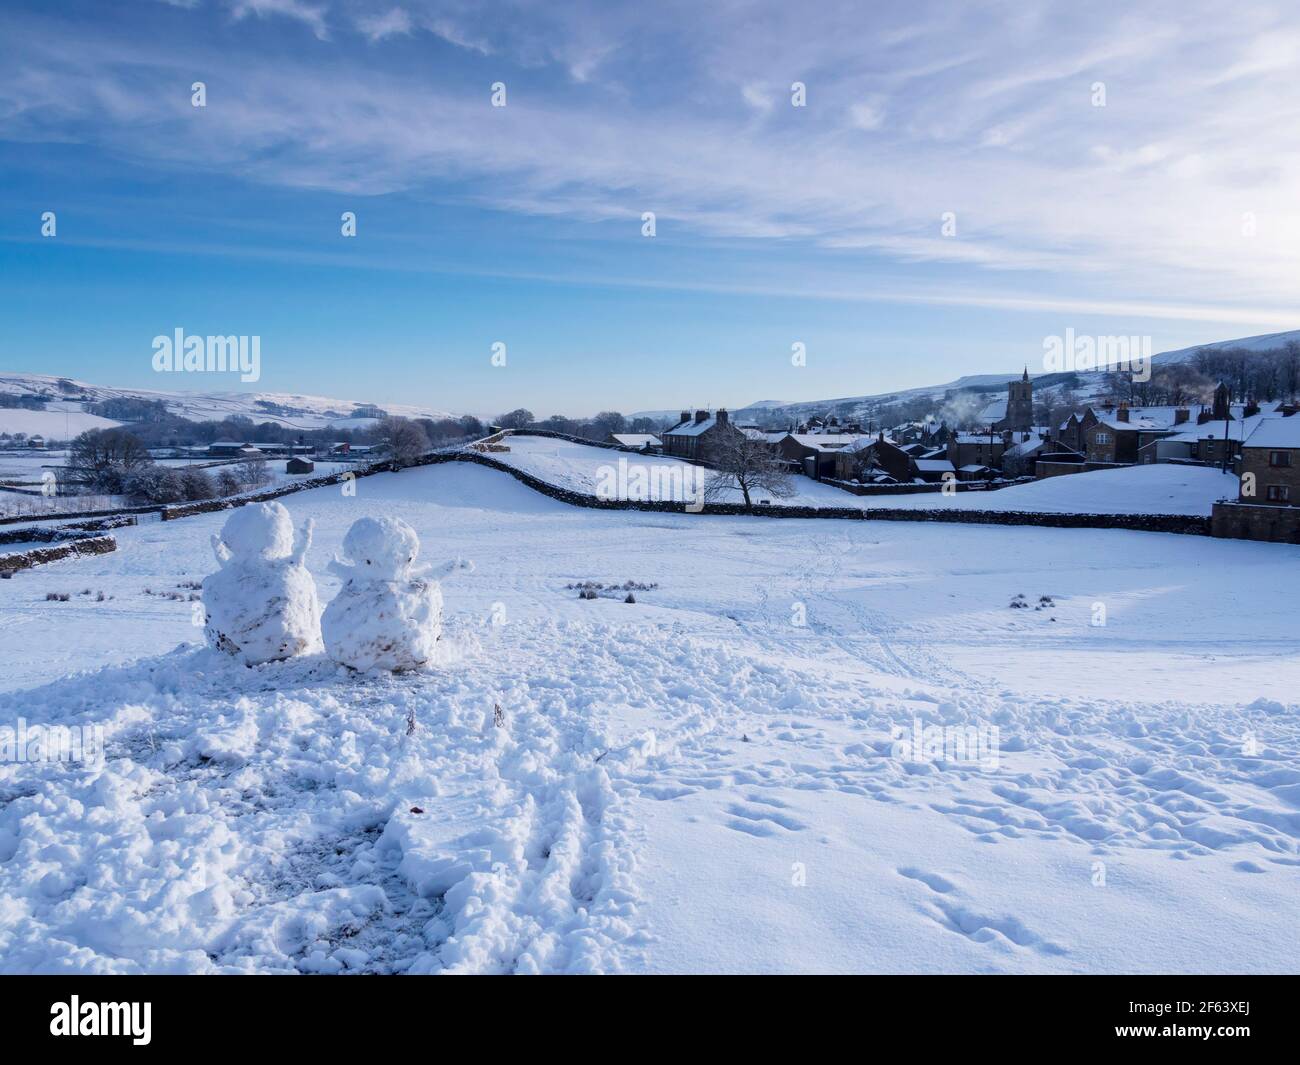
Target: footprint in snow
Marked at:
980, 928
760, 822
931, 880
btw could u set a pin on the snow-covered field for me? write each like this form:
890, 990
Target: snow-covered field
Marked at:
51, 424
580, 468
710, 778
1155, 489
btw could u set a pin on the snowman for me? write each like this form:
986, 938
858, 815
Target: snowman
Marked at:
387, 614
261, 604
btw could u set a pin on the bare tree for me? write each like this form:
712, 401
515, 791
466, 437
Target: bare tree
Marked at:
519, 418
606, 422
747, 464
102, 458
405, 440
252, 471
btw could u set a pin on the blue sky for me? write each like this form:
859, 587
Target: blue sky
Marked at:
1170, 211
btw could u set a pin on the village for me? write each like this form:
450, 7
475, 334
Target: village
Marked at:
1258, 442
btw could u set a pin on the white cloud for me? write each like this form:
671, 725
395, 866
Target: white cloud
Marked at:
390, 23
759, 97
867, 115
311, 15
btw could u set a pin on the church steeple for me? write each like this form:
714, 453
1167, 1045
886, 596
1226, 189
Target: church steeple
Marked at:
1020, 404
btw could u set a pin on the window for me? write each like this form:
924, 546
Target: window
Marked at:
1279, 458
1279, 493
1102, 438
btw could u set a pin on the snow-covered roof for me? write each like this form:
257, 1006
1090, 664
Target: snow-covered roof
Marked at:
692, 428
1167, 416
1276, 432
1185, 439
933, 465
1026, 447
636, 439
1237, 430
829, 441
1134, 424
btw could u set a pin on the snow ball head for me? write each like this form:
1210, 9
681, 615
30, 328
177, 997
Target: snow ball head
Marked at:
259, 530
381, 548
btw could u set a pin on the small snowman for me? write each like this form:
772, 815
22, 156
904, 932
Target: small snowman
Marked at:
387, 614
261, 604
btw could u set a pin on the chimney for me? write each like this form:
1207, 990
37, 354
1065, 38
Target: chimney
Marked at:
701, 416
686, 416
1122, 413
1181, 415
722, 416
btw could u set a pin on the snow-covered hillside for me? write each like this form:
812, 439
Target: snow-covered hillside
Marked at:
289, 409
584, 469
1263, 342
1156, 489
991, 384
61, 423
711, 778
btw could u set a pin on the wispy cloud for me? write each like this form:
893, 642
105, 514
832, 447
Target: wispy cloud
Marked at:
378, 25
311, 15
1180, 188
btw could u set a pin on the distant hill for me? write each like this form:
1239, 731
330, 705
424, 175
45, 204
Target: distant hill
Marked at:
66, 401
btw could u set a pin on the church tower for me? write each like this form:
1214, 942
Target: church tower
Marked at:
1020, 404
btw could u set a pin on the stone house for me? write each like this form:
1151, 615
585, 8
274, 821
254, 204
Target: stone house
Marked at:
1270, 463
691, 437
976, 449
1073, 430
819, 455
1115, 439
1268, 495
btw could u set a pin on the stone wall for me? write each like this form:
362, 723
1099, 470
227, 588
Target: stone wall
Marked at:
208, 506
73, 515
1045, 468
929, 488
95, 545
1254, 521
74, 531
